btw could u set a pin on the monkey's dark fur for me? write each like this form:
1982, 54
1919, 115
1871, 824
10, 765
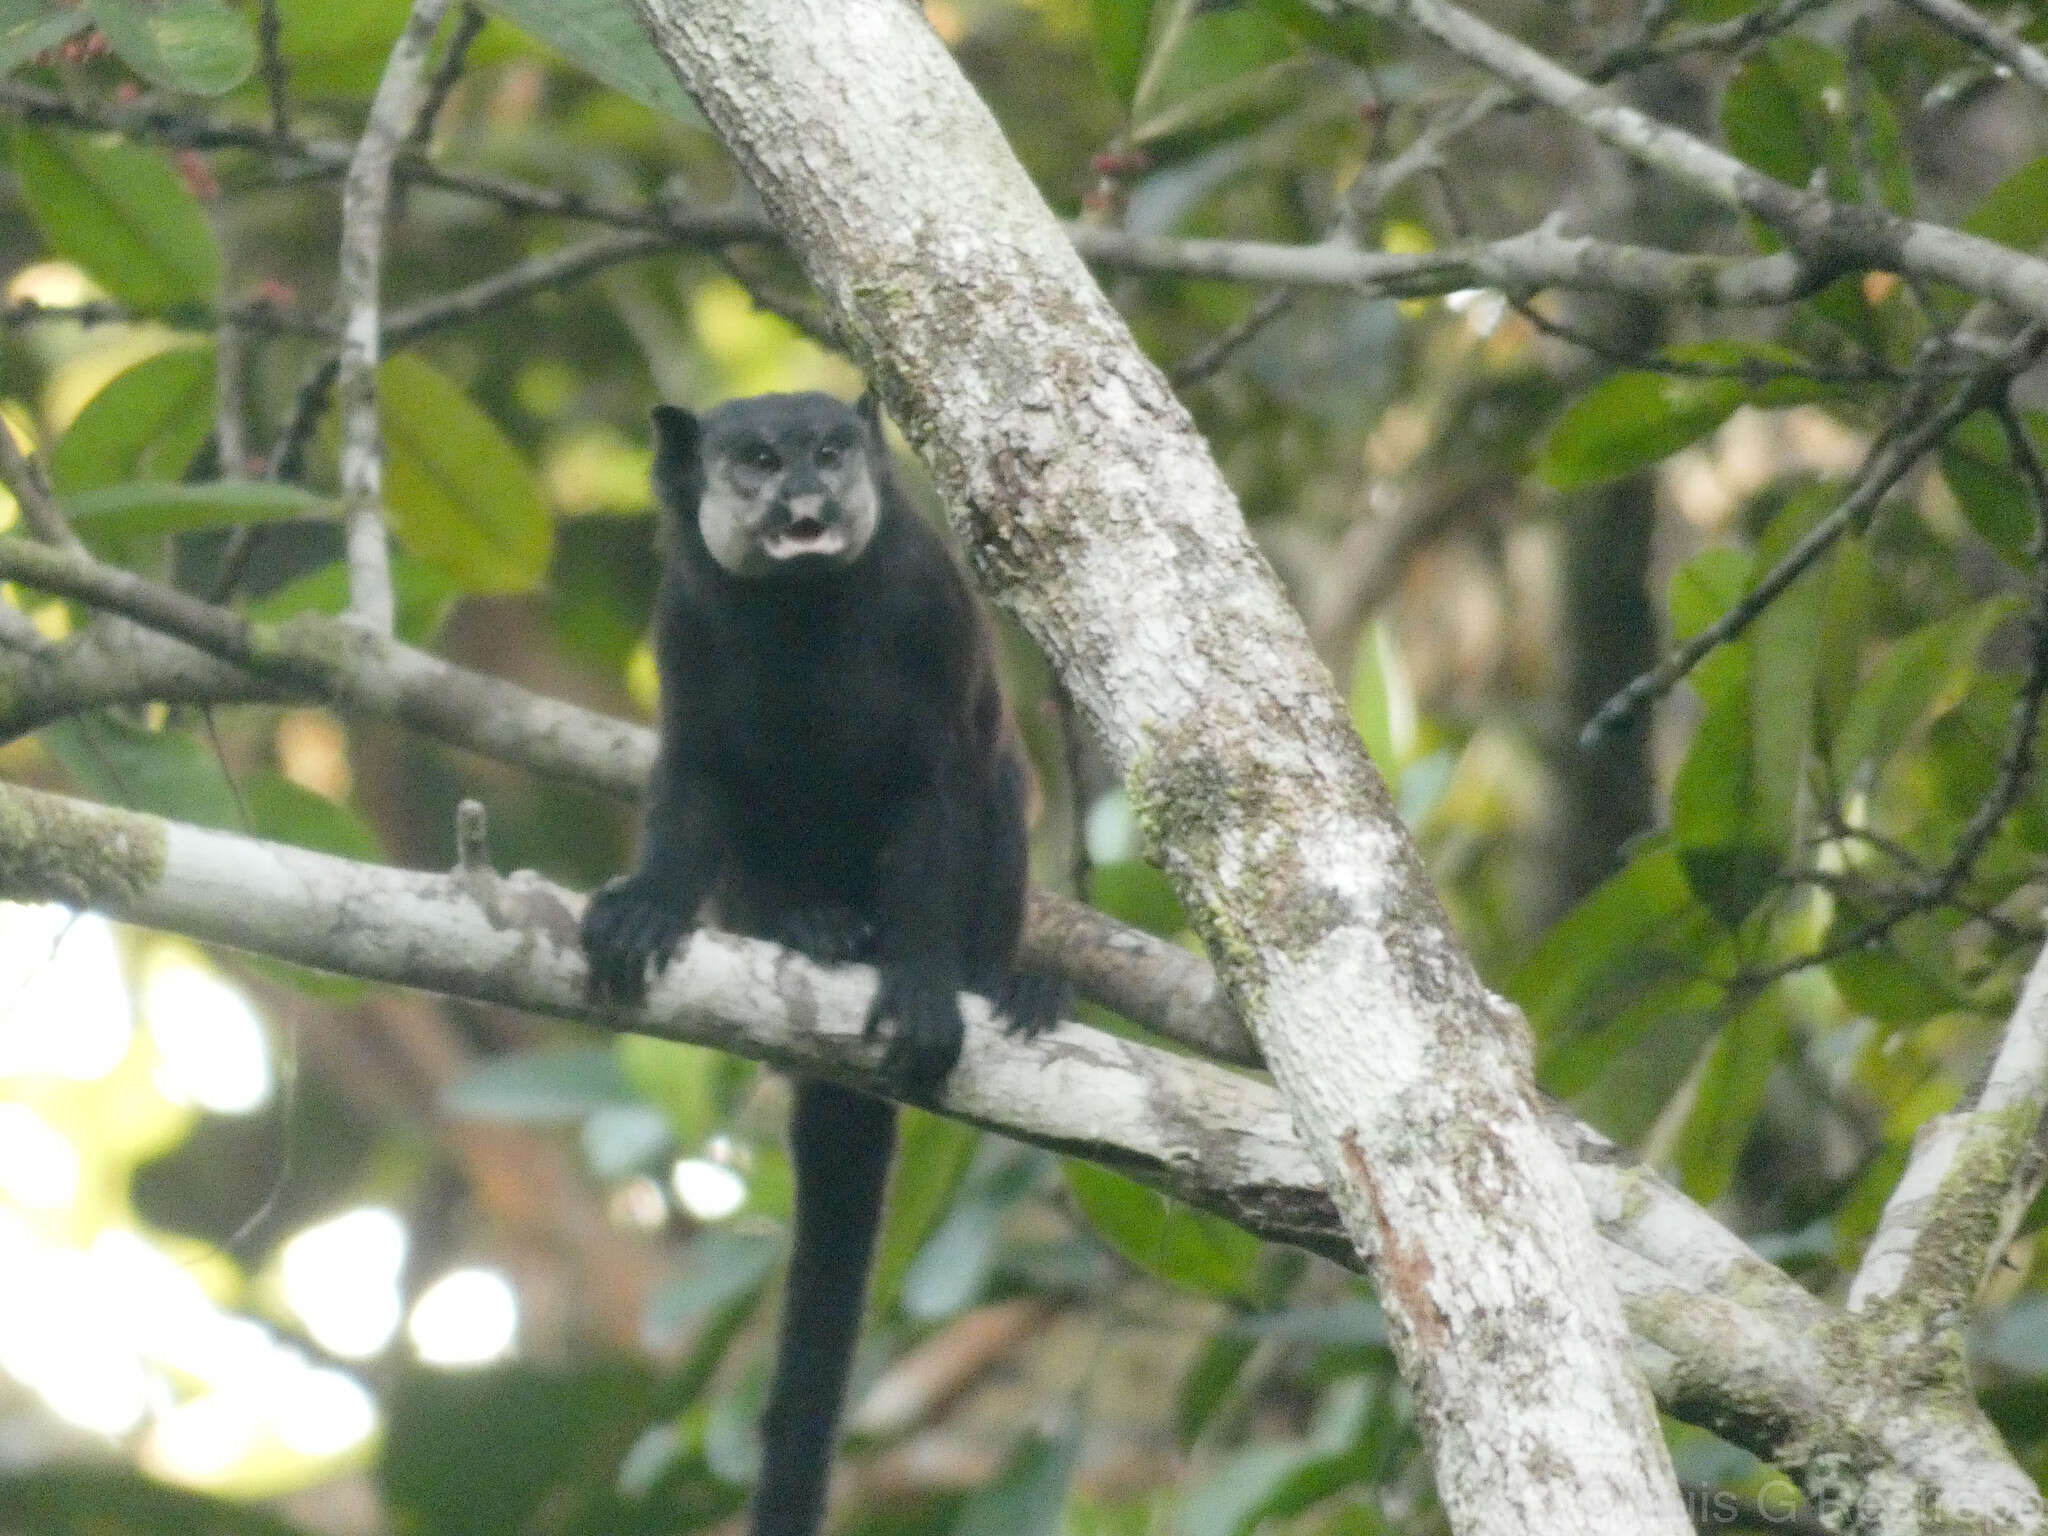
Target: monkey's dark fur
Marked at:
837, 773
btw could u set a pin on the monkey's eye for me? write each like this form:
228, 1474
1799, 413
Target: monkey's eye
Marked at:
829, 454
759, 456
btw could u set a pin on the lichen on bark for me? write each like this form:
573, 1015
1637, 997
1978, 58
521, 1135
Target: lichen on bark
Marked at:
50, 852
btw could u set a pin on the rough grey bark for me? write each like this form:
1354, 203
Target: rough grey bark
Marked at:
1093, 511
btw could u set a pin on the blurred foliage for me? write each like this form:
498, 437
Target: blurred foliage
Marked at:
1760, 998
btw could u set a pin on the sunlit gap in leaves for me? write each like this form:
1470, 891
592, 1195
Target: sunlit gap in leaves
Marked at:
123, 1334
467, 1317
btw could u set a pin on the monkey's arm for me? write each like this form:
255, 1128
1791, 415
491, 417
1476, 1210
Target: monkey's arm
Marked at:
638, 918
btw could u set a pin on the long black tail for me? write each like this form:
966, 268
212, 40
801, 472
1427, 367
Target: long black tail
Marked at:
840, 1143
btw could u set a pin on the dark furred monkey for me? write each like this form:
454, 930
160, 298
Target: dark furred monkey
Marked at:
839, 774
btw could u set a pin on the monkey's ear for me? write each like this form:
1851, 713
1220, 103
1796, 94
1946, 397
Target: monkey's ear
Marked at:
675, 437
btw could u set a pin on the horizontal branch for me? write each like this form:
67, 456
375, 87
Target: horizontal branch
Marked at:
1830, 235
1727, 1339
1539, 258
313, 656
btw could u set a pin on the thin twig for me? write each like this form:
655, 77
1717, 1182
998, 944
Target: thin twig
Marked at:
468, 22
24, 476
269, 39
1905, 442
365, 201
1220, 350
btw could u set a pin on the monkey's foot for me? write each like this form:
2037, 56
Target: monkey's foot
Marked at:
629, 928
920, 1014
1030, 1003
830, 933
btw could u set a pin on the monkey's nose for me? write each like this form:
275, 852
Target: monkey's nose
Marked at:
806, 509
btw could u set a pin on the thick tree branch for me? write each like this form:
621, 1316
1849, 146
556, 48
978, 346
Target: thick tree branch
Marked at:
1729, 1341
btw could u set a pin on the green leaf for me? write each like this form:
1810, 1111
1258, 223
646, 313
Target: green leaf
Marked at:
122, 214
1208, 1382
1348, 35
1120, 29
1221, 63
1134, 892
1379, 694
27, 27
1884, 985
680, 1080
146, 508
1729, 1094
2015, 212
1785, 113
1707, 586
555, 1086
931, 1164
145, 423
1730, 860
1272, 1482
288, 812
168, 773
83, 1500
1777, 380
1976, 461
1629, 422
605, 38
1608, 946
1028, 1494
424, 597
1929, 668
458, 494
1184, 1247
198, 46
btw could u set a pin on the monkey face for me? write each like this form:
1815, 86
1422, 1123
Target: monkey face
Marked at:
786, 481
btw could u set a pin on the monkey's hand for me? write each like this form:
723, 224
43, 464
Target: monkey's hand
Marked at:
1030, 1003
631, 924
919, 1010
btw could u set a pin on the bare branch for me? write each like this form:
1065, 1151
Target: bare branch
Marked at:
1831, 236
1539, 258
365, 202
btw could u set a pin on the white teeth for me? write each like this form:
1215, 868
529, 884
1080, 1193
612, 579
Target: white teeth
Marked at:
787, 543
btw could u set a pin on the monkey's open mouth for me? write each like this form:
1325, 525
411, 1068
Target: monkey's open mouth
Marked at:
804, 536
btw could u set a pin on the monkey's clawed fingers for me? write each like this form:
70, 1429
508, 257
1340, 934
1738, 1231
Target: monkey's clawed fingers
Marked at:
626, 926
921, 1016
1030, 1003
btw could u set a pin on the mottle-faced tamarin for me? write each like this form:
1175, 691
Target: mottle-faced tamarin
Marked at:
837, 773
